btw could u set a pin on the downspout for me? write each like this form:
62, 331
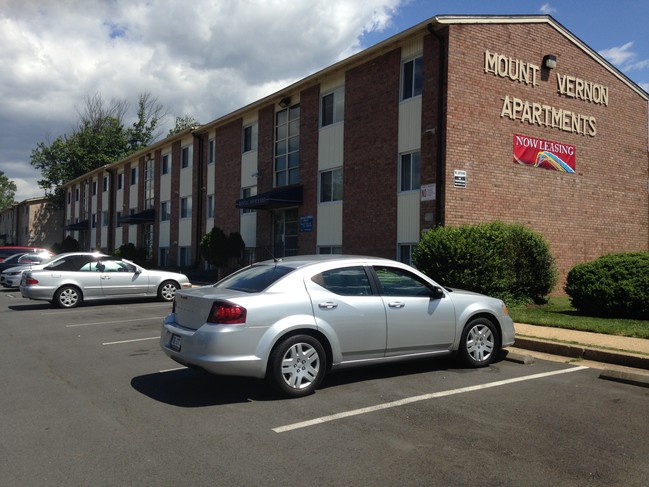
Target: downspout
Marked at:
440, 167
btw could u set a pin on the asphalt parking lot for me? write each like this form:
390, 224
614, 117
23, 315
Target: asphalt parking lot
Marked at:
89, 399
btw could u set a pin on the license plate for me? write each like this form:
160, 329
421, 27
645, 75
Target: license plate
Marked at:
175, 343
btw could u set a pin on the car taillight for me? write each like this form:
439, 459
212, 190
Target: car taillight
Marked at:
30, 281
224, 313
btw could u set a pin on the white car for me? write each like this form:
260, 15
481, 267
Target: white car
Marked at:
11, 277
69, 279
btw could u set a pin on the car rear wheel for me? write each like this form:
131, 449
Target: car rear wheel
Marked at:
68, 297
479, 345
167, 291
297, 366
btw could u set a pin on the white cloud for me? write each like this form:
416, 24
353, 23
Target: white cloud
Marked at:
547, 9
203, 58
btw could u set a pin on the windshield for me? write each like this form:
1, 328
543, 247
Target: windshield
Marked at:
254, 279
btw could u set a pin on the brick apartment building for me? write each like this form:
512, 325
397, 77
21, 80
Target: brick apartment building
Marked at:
458, 120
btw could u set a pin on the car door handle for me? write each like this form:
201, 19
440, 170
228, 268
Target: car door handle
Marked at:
396, 304
105, 277
328, 305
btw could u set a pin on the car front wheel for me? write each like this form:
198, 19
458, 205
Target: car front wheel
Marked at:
167, 291
479, 345
68, 297
297, 366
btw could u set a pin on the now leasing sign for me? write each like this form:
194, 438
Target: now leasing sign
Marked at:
556, 156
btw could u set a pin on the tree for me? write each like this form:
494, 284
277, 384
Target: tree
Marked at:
183, 123
7, 191
100, 138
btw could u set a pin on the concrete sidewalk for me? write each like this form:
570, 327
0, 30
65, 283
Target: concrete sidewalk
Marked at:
624, 359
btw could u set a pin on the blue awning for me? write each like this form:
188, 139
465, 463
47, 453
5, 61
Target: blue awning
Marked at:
78, 226
275, 198
146, 216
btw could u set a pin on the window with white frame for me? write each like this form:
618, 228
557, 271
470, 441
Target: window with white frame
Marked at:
149, 184
250, 137
94, 188
165, 211
104, 218
163, 257
165, 164
120, 180
76, 194
211, 151
69, 196
105, 184
185, 157
210, 206
405, 253
332, 107
330, 250
410, 171
331, 185
93, 220
185, 256
247, 193
412, 78
186, 207
133, 175
287, 147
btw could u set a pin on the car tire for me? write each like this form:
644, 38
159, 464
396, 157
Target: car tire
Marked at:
167, 290
68, 297
480, 344
297, 366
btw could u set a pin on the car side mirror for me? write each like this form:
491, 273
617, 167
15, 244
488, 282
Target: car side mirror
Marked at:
437, 293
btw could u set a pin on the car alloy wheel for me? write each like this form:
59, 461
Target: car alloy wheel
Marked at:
167, 290
297, 366
479, 342
68, 297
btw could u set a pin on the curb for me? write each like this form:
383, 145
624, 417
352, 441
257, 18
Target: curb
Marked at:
639, 378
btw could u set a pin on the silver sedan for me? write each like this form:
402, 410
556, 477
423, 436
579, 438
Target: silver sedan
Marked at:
291, 320
69, 279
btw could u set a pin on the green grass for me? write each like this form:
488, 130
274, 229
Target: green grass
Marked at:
559, 313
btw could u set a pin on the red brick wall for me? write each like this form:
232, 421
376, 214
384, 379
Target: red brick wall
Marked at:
174, 217
266, 129
309, 120
228, 176
604, 206
370, 157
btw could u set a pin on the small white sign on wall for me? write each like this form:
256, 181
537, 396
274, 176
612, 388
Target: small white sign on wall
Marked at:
428, 192
459, 178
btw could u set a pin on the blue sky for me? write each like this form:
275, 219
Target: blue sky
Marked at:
206, 58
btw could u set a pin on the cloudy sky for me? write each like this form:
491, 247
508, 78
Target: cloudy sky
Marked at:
206, 58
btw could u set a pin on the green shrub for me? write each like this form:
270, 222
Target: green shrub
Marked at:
613, 285
509, 261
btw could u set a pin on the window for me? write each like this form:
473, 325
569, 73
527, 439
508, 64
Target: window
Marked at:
412, 78
331, 185
185, 257
405, 253
76, 194
186, 207
347, 281
250, 138
287, 146
165, 164
118, 217
165, 211
247, 193
133, 176
211, 151
399, 282
120, 180
104, 218
163, 257
149, 184
332, 107
94, 188
185, 157
330, 250
210, 206
105, 184
93, 220
410, 172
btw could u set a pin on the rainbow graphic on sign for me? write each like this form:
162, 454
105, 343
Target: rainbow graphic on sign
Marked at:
546, 154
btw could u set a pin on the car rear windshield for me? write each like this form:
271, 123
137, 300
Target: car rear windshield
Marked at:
254, 279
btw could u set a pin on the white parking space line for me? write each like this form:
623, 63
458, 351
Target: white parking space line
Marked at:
154, 318
171, 370
131, 341
424, 397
